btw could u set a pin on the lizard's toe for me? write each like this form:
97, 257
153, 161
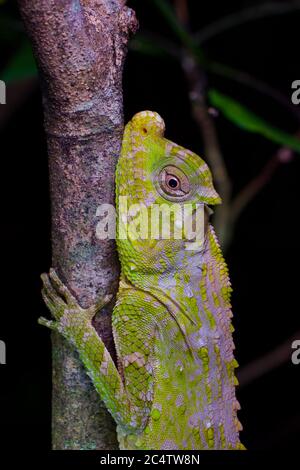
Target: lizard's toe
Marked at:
62, 289
48, 323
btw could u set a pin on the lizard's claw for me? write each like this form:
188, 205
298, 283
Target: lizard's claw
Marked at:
48, 323
62, 303
52, 297
62, 289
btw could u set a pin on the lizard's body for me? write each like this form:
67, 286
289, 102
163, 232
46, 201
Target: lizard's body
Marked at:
175, 384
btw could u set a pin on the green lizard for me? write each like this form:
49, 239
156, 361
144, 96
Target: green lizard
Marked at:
174, 384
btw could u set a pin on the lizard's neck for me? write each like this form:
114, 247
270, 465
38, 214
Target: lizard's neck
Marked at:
197, 295
201, 275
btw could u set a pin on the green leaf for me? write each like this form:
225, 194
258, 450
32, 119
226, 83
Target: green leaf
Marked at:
168, 13
22, 65
249, 121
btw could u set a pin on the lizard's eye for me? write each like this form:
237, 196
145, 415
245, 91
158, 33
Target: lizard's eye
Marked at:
174, 182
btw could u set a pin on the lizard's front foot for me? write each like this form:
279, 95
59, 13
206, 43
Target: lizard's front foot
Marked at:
67, 313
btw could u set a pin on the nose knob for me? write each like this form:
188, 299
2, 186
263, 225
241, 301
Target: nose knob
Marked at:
149, 122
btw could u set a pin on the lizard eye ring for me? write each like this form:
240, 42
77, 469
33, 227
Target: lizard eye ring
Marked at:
173, 182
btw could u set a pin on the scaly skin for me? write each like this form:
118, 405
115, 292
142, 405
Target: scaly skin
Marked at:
174, 387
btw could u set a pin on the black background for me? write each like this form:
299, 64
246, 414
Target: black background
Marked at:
262, 259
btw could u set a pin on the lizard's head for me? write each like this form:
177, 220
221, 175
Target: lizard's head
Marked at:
152, 168
155, 171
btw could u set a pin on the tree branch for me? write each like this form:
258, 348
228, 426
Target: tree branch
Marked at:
246, 15
247, 194
182, 11
265, 364
80, 46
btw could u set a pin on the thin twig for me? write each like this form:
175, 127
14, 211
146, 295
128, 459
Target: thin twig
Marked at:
265, 364
182, 12
248, 193
244, 16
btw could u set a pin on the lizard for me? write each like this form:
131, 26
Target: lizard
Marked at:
173, 386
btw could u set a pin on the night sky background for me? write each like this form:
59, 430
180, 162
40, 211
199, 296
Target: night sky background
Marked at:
262, 257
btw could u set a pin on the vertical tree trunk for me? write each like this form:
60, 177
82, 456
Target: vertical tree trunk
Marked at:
80, 47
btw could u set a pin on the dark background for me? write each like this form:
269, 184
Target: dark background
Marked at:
262, 257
